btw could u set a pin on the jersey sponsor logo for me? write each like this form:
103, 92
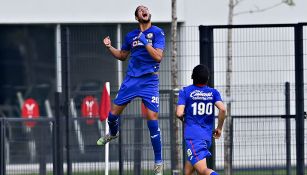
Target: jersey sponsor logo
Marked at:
136, 42
200, 95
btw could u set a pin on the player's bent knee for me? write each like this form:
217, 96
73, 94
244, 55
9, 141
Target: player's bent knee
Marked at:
188, 171
151, 115
117, 110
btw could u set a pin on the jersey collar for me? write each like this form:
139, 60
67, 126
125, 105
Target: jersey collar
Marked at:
200, 85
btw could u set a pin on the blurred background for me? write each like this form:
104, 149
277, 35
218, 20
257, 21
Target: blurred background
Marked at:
52, 52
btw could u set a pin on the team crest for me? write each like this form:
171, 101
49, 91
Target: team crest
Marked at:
149, 35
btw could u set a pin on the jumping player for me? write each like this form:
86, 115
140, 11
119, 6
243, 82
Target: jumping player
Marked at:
145, 46
195, 108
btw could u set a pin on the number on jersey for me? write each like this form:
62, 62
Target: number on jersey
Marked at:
202, 108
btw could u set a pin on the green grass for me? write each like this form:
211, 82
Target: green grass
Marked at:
235, 172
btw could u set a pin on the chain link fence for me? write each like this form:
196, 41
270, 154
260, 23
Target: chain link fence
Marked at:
262, 59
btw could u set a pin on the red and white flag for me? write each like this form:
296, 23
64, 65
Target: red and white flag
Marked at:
89, 108
30, 109
105, 102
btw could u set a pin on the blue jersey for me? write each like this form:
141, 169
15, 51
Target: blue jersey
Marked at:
141, 62
199, 116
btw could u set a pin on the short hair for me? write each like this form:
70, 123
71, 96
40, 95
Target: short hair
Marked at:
200, 74
136, 10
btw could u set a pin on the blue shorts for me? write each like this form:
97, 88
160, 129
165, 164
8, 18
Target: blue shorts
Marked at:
146, 87
197, 149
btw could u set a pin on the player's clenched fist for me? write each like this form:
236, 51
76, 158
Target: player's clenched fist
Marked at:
107, 42
217, 133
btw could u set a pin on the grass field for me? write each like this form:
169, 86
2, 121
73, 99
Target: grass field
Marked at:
236, 172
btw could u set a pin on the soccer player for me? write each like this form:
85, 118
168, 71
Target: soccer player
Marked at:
145, 46
195, 108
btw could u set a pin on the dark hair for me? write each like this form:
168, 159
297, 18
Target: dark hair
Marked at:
200, 74
136, 11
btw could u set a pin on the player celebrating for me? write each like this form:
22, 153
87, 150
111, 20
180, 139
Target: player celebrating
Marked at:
195, 108
145, 46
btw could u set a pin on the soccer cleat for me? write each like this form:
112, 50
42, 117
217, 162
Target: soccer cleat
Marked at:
107, 138
158, 169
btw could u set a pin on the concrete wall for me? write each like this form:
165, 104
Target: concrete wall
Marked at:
80, 11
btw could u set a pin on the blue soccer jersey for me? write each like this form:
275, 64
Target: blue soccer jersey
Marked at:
199, 116
141, 62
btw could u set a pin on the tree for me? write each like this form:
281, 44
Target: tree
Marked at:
174, 79
228, 131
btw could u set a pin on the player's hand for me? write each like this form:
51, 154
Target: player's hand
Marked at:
181, 118
217, 133
107, 42
142, 38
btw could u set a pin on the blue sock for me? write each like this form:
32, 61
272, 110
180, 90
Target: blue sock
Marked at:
113, 121
214, 173
155, 136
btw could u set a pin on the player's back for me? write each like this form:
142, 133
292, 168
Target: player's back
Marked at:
199, 110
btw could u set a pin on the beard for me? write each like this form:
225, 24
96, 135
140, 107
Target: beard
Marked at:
145, 21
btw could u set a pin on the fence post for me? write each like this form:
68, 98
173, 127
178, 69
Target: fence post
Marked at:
58, 138
288, 129
120, 149
138, 135
299, 98
206, 49
57, 127
42, 152
172, 122
66, 78
2, 147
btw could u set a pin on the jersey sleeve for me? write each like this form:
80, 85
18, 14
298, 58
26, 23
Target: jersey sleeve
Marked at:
126, 45
181, 98
159, 41
217, 96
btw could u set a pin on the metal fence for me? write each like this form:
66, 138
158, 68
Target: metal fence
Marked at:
263, 142
262, 59
27, 150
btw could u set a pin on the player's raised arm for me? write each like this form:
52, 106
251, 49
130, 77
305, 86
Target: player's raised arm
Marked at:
155, 53
221, 117
118, 54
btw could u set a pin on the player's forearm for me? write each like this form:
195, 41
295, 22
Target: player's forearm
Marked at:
154, 53
221, 118
117, 53
180, 112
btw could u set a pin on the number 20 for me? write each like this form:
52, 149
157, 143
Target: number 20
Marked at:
155, 99
202, 108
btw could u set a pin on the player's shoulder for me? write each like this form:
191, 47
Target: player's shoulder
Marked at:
133, 33
211, 89
157, 29
214, 91
187, 88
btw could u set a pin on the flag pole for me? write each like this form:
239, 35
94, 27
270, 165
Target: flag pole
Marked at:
107, 84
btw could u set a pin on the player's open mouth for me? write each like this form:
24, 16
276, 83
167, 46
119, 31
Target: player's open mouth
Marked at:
145, 15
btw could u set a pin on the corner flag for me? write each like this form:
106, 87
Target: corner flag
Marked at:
105, 102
